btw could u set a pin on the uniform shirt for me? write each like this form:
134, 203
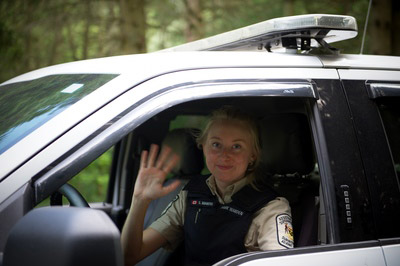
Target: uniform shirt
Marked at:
270, 229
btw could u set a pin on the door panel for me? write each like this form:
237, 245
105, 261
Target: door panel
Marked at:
376, 155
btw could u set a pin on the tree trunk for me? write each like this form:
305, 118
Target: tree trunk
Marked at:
395, 27
86, 32
133, 26
380, 27
194, 20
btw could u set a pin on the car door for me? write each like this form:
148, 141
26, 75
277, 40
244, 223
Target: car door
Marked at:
374, 101
352, 238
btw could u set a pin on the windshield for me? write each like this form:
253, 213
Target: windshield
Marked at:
25, 106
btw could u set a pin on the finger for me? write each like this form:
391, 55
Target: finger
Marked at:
163, 156
152, 155
143, 159
171, 163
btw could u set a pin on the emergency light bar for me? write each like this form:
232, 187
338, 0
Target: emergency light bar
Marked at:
295, 32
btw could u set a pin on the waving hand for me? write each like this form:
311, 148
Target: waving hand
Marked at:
153, 170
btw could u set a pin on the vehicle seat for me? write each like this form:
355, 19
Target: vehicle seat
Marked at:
288, 159
62, 236
191, 163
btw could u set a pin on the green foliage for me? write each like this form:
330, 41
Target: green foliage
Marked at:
92, 182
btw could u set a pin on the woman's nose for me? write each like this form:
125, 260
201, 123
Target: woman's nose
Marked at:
225, 152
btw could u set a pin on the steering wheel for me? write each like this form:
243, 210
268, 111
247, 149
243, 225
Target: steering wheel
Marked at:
73, 196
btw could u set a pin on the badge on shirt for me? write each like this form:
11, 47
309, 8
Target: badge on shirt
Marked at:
285, 230
202, 203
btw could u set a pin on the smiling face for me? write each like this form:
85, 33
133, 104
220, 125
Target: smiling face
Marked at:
228, 149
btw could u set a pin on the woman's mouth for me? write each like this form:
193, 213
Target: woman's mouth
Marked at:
224, 167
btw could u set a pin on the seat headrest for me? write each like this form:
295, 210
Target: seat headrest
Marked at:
183, 143
286, 144
64, 236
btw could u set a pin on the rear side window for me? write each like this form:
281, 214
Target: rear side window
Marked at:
25, 106
188, 121
389, 109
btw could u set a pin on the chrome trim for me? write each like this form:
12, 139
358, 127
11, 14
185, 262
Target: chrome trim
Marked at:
283, 89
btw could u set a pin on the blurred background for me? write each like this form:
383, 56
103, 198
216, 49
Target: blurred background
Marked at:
38, 33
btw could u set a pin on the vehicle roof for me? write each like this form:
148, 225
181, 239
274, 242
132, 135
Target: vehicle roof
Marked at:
153, 64
377, 62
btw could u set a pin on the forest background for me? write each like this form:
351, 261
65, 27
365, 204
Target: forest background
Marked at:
38, 33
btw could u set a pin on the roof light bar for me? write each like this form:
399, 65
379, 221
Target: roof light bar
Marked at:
297, 32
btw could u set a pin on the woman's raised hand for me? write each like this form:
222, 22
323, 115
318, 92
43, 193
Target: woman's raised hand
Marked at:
152, 173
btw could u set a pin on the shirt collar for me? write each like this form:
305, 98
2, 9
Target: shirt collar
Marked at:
230, 190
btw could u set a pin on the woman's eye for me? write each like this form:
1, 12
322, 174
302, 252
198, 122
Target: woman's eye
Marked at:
236, 146
215, 145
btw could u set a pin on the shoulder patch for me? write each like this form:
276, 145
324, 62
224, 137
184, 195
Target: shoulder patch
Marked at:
284, 230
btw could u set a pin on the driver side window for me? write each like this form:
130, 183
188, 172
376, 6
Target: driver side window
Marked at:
93, 181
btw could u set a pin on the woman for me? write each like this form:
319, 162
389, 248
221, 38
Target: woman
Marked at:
216, 216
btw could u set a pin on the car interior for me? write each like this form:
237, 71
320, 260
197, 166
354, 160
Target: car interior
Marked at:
288, 163
288, 157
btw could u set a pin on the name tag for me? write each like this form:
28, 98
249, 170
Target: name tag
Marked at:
202, 203
232, 210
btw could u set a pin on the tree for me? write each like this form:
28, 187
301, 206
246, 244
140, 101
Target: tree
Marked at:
37, 33
133, 26
380, 27
395, 27
194, 20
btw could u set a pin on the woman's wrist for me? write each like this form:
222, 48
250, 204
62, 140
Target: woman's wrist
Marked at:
140, 199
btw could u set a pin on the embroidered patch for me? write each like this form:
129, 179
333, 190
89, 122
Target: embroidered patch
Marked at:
232, 210
202, 203
284, 230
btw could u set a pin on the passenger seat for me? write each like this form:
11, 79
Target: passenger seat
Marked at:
288, 160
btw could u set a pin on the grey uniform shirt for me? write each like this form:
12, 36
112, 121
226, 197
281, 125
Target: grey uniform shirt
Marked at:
270, 229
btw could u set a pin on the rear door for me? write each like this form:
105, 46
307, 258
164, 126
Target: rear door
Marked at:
374, 100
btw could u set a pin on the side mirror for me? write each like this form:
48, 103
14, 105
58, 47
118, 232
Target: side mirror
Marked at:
64, 237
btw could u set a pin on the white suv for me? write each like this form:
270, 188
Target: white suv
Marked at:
330, 124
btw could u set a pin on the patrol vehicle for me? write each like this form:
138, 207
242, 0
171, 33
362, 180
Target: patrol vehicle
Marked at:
329, 124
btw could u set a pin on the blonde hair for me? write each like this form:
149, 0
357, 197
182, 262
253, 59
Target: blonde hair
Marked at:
230, 113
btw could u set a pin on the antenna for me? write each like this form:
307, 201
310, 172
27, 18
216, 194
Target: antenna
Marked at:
365, 27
